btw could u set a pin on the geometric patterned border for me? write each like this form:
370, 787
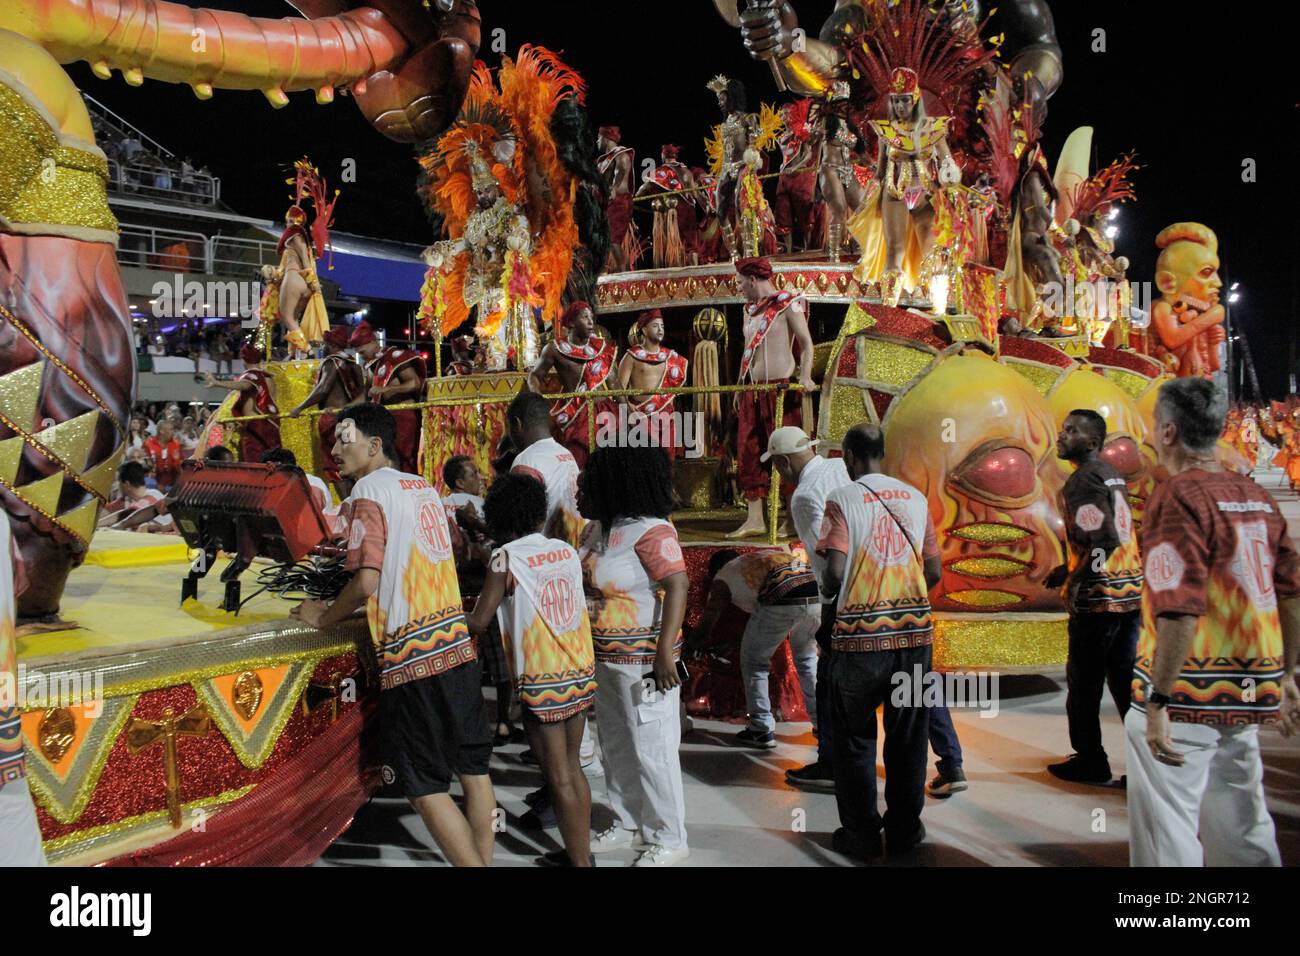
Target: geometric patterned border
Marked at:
253, 747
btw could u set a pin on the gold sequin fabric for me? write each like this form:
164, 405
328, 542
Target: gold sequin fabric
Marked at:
999, 641
44, 183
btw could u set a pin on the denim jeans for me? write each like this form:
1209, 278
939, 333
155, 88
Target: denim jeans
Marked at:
943, 740
860, 683
768, 626
1101, 653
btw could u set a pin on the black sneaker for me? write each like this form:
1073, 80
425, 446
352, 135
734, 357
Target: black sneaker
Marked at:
896, 846
541, 797
559, 858
859, 846
1081, 770
759, 739
539, 818
815, 776
946, 784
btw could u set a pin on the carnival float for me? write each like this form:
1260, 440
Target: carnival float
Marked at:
961, 289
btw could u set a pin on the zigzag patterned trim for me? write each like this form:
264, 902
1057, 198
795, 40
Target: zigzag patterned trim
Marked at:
37, 344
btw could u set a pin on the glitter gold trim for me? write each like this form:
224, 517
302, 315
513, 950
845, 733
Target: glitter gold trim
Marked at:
987, 567
1042, 377
1003, 641
254, 646
62, 366
46, 183
1130, 382
255, 746
986, 533
985, 597
891, 364
65, 796
61, 848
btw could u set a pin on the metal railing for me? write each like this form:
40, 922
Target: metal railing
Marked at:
600, 395
163, 183
178, 250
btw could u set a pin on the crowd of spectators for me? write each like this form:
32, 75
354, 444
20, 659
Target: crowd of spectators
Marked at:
135, 168
190, 338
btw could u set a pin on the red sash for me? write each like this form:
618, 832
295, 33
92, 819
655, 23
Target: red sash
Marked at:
387, 363
674, 376
767, 310
669, 177
349, 375
597, 357
262, 397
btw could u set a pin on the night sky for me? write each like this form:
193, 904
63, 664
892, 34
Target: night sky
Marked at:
1194, 89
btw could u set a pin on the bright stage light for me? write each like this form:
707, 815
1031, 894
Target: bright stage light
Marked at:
939, 294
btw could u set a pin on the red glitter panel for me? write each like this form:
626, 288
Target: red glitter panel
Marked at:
906, 325
848, 367
290, 818
881, 401
1131, 361
1014, 346
134, 784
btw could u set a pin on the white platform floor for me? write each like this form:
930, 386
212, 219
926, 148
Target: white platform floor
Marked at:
739, 811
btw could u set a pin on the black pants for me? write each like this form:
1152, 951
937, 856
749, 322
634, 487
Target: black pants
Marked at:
825, 709
1102, 649
861, 682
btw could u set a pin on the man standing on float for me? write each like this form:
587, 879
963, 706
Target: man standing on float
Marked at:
774, 322
396, 376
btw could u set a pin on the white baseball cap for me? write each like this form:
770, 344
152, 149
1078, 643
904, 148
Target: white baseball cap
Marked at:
789, 440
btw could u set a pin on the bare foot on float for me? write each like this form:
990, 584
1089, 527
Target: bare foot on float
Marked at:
755, 524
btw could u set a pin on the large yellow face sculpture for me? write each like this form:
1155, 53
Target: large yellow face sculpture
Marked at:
1189, 262
979, 440
1126, 449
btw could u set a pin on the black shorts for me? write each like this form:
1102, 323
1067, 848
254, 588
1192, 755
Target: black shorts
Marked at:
433, 729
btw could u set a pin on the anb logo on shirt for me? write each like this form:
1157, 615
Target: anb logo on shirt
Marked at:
431, 525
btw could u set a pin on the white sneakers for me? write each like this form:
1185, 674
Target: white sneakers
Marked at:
616, 838
662, 856
652, 854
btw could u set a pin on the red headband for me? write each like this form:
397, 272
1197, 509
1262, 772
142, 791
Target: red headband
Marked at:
612, 133
363, 335
572, 312
337, 336
755, 267
251, 355
647, 317
671, 151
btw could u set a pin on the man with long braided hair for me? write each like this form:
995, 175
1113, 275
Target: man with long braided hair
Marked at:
634, 565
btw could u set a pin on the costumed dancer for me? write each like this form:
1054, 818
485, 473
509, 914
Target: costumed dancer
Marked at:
339, 382
842, 181
795, 206
615, 164
650, 365
774, 322
511, 183
293, 293
896, 226
396, 377
583, 363
463, 356
735, 158
674, 196
256, 391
